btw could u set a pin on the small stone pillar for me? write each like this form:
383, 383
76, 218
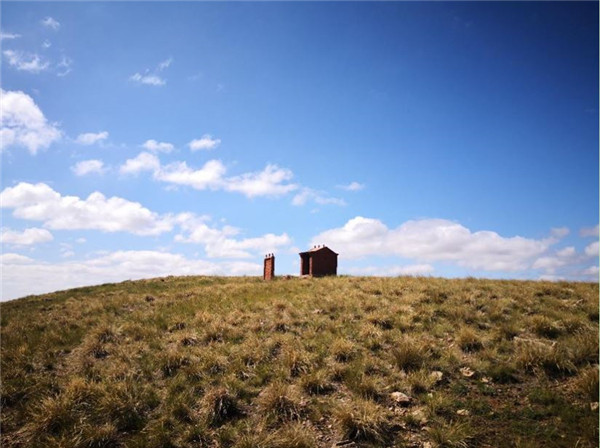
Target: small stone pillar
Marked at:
269, 267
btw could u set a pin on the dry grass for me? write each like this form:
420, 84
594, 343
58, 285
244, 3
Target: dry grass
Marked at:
237, 362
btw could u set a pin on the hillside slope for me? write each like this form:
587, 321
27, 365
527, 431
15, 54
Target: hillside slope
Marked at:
213, 361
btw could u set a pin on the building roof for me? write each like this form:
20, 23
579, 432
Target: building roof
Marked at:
317, 249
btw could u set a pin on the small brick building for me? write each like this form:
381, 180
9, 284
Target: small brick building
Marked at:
318, 262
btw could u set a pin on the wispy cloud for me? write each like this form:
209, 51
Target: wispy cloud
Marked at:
8, 36
352, 186
164, 64
148, 79
50, 22
308, 194
63, 68
27, 62
589, 231
152, 77
206, 142
89, 138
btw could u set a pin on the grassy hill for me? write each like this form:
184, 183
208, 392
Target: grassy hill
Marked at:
212, 361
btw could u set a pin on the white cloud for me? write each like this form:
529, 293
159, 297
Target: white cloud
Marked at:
151, 78
154, 146
592, 270
80, 240
567, 252
89, 138
434, 240
27, 62
206, 142
589, 231
352, 186
271, 181
49, 22
39, 202
87, 167
210, 176
27, 237
559, 232
46, 44
268, 182
219, 243
308, 194
386, 271
144, 161
148, 79
22, 123
8, 36
592, 249
23, 275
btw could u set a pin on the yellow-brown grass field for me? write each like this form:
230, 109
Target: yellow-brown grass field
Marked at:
341, 361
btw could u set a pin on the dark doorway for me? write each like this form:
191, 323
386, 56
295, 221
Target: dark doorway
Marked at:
305, 268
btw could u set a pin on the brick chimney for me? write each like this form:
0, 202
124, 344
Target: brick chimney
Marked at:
269, 267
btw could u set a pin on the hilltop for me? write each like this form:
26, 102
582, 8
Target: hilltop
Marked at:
344, 361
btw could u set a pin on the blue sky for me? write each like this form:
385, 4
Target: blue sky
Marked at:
444, 139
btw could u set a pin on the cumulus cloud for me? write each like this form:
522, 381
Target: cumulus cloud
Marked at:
27, 237
210, 176
352, 186
89, 138
434, 240
39, 202
154, 146
271, 181
219, 243
206, 142
27, 62
589, 231
88, 167
49, 22
23, 275
22, 123
592, 249
144, 161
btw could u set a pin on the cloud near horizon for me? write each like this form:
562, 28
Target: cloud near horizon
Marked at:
24, 275
432, 240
